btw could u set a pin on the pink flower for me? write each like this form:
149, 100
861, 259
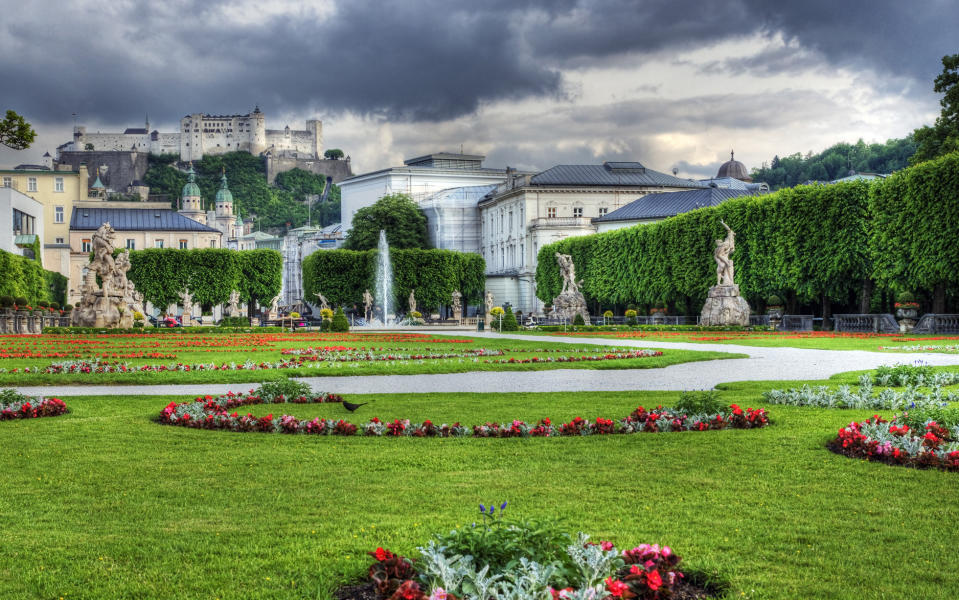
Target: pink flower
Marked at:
438, 594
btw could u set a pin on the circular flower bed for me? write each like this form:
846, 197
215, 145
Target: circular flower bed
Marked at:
214, 413
17, 406
905, 440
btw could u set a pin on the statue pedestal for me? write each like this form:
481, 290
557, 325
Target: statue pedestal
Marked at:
725, 306
569, 304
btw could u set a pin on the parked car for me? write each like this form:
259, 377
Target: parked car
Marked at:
169, 322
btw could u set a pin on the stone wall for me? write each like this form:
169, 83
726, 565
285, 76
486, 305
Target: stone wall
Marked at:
337, 169
122, 168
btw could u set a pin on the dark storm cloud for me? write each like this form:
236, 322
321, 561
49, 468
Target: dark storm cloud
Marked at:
428, 61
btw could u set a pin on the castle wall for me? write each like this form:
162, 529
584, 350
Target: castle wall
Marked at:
337, 169
121, 168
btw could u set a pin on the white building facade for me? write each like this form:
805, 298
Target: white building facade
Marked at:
21, 222
421, 178
527, 212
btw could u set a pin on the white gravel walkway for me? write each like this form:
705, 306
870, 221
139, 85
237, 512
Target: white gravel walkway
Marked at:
762, 364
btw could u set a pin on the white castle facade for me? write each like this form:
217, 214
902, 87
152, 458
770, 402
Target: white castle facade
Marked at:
202, 134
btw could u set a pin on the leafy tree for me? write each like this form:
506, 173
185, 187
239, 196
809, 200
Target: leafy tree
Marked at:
398, 214
15, 132
260, 277
333, 154
943, 137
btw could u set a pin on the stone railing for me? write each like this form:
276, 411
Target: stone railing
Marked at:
796, 323
873, 323
933, 323
28, 323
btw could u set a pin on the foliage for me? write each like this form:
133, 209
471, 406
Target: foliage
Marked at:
780, 247
272, 391
398, 215
340, 324
160, 274
15, 132
343, 275
578, 319
901, 441
509, 321
303, 186
917, 374
836, 162
910, 250
234, 322
25, 278
333, 154
943, 137
863, 397
700, 403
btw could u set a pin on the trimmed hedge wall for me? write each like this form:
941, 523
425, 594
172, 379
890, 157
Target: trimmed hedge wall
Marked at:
819, 243
24, 277
807, 241
160, 274
342, 275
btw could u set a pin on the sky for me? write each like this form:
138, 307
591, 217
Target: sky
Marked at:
528, 83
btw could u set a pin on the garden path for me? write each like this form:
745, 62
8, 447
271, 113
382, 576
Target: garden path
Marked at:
762, 364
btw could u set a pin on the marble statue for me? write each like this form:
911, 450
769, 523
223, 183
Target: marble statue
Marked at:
367, 304
324, 305
235, 304
187, 299
112, 305
724, 306
457, 299
413, 300
275, 305
489, 304
570, 301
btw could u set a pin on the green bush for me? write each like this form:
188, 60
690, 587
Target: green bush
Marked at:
20, 301
339, 324
706, 402
578, 320
234, 322
289, 388
509, 321
6, 301
904, 297
774, 300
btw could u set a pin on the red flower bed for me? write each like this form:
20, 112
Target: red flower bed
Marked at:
32, 408
897, 442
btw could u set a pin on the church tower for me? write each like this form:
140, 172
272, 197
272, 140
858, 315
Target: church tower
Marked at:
224, 207
192, 202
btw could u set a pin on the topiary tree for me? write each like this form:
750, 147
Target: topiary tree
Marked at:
509, 321
578, 320
340, 324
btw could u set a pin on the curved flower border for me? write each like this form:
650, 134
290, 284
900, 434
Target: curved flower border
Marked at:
32, 408
213, 413
895, 443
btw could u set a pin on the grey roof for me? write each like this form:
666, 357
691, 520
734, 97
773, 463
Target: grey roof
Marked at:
668, 204
609, 174
134, 219
135, 130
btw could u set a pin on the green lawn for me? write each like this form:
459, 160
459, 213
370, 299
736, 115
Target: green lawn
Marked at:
819, 340
224, 349
104, 503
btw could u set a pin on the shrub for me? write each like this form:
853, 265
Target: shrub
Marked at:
20, 301
774, 300
339, 323
234, 322
578, 320
294, 315
326, 314
68, 307
509, 321
608, 314
706, 402
43, 303
56, 306
6, 301
905, 297
289, 388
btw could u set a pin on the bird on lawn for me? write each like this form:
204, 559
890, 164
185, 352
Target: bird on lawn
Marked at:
350, 406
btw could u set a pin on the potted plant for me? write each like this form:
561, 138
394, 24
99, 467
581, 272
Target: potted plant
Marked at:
631, 316
774, 307
658, 312
906, 306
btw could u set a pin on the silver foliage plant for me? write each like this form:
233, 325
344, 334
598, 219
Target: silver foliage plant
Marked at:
864, 398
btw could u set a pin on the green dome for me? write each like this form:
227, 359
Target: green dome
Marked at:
191, 188
223, 194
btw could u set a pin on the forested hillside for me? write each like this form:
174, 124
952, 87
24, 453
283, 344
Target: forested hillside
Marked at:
276, 207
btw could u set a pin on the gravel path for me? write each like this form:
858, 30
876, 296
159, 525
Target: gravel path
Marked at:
762, 364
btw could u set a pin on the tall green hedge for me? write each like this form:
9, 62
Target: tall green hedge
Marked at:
24, 277
342, 275
807, 242
160, 274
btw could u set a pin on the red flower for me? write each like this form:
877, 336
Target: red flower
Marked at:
382, 554
654, 581
616, 587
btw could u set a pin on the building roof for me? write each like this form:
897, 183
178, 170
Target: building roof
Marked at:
134, 219
191, 188
224, 194
135, 130
733, 168
259, 236
668, 204
609, 174
442, 159
26, 167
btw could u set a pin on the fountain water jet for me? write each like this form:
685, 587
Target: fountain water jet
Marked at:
384, 281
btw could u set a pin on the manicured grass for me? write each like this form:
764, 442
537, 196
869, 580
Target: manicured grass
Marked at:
224, 349
819, 340
104, 503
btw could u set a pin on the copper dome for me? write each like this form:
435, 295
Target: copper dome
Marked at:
735, 169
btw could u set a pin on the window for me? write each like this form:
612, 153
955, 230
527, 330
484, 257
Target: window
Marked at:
58, 213
157, 243
31, 184
58, 185
182, 244
7, 182
131, 244
578, 211
23, 223
551, 212
212, 243
59, 241
85, 246
602, 211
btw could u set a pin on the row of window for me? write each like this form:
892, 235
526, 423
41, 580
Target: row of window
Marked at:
32, 183
86, 246
577, 211
23, 223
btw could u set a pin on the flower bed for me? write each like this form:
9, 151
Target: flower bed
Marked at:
17, 406
863, 398
213, 413
901, 441
570, 359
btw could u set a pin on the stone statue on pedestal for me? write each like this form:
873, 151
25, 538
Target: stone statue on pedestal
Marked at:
323, 303
412, 300
570, 302
489, 305
111, 306
187, 306
367, 303
725, 306
457, 299
235, 304
274, 306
